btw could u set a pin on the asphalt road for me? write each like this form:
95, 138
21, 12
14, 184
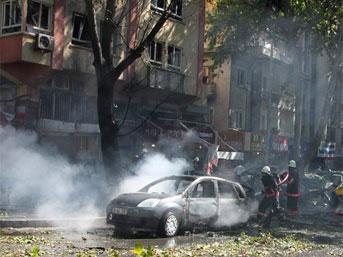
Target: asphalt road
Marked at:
72, 237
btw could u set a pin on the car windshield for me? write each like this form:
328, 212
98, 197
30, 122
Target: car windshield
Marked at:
170, 186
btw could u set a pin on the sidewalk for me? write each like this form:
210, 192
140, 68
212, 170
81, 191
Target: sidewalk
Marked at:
20, 220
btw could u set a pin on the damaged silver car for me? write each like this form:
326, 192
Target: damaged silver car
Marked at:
171, 204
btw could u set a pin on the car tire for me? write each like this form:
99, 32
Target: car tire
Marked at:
170, 224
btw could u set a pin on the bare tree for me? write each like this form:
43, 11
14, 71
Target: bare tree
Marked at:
107, 73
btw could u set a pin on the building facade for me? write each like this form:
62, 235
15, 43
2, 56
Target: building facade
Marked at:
238, 96
48, 82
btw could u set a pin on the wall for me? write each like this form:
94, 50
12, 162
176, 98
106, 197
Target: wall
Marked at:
221, 100
182, 34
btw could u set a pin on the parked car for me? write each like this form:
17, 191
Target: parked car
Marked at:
171, 204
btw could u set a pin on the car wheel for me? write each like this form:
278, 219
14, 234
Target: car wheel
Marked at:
170, 224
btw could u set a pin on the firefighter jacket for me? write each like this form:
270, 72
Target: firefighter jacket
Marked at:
293, 187
270, 186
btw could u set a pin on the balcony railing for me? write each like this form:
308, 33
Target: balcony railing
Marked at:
285, 58
68, 107
166, 79
281, 101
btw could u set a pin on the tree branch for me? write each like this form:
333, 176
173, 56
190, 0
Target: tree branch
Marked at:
107, 31
150, 114
93, 33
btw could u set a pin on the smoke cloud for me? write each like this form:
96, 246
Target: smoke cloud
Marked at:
152, 167
41, 181
38, 179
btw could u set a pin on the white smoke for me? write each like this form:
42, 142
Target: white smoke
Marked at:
38, 179
152, 167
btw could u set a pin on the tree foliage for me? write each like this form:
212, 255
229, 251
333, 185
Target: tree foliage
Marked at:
235, 25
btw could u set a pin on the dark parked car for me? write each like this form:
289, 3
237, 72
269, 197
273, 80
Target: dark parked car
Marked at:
175, 203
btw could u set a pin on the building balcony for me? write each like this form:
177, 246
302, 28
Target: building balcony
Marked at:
166, 79
277, 55
280, 101
67, 112
164, 85
24, 47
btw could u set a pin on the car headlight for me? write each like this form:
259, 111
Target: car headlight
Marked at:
152, 202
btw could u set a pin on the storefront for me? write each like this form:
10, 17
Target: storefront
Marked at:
231, 148
279, 150
178, 141
257, 148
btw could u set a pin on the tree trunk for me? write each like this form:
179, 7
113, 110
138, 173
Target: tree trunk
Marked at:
108, 130
298, 114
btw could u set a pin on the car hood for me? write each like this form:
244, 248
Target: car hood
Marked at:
133, 199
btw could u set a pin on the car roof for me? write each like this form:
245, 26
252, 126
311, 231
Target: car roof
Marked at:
200, 178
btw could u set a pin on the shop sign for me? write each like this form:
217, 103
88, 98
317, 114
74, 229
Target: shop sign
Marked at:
177, 133
169, 132
205, 134
233, 138
258, 141
327, 149
280, 143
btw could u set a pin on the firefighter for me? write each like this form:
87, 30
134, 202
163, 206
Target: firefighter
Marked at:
293, 189
270, 199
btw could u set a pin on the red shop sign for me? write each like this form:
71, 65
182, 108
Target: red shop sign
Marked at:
280, 143
258, 141
233, 138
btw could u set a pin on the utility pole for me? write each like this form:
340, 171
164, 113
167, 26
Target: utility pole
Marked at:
269, 87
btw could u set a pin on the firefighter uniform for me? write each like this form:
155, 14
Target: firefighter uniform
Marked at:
271, 197
293, 189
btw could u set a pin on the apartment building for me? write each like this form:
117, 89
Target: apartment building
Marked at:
48, 82
238, 93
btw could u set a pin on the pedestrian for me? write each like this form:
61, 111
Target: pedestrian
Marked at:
293, 189
270, 199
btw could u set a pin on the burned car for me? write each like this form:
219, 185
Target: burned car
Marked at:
171, 204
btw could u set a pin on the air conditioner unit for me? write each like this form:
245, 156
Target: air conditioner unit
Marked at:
45, 42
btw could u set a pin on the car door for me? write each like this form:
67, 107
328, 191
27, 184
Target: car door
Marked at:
227, 198
202, 202
230, 209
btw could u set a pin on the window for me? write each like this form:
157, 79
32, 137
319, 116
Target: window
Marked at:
177, 11
11, 17
263, 122
204, 189
38, 17
238, 119
174, 58
158, 4
80, 35
156, 53
240, 77
161, 5
226, 190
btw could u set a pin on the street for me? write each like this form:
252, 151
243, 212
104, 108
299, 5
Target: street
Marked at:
306, 236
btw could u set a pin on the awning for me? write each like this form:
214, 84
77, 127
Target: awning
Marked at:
237, 156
